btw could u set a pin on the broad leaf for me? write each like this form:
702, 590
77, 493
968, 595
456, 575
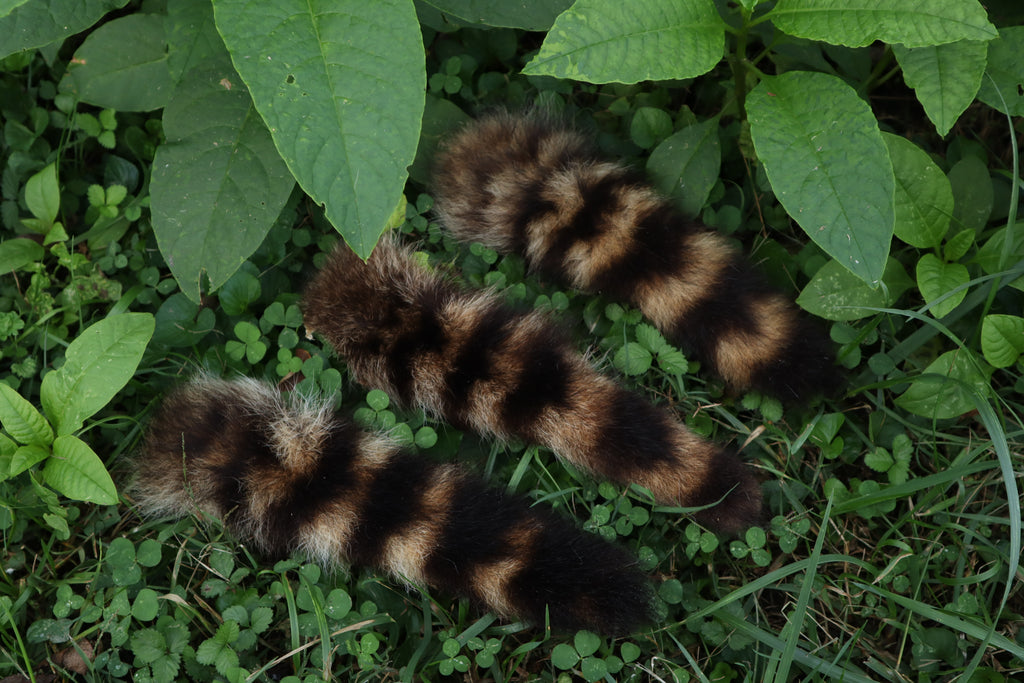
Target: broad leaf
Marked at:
1002, 339
77, 472
19, 252
42, 195
685, 165
945, 78
923, 198
936, 278
973, 193
1006, 69
192, 38
834, 293
21, 420
532, 15
218, 182
340, 85
36, 23
604, 41
856, 23
97, 364
25, 457
828, 166
122, 65
947, 387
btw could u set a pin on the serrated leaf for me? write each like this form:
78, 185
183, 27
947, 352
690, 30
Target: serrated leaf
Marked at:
122, 65
946, 387
945, 78
857, 23
98, 363
21, 420
673, 361
834, 293
532, 15
650, 338
77, 472
1002, 339
879, 460
828, 166
923, 197
605, 41
1007, 72
935, 278
148, 645
35, 24
218, 183
42, 194
341, 90
685, 165
632, 359
19, 252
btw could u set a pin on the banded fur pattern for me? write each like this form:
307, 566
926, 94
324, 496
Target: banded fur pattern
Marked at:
528, 185
469, 359
290, 475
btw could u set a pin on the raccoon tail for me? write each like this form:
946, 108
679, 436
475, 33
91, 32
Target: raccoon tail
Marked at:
290, 475
474, 362
528, 185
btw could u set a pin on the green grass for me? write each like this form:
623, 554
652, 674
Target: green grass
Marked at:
892, 543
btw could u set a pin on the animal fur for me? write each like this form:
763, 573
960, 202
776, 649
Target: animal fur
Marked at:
290, 475
471, 360
528, 185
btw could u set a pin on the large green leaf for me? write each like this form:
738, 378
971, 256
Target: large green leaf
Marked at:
1006, 68
923, 198
827, 163
218, 182
1002, 339
685, 165
856, 23
946, 386
122, 65
75, 470
27, 25
97, 364
19, 252
532, 15
192, 38
936, 279
340, 85
945, 78
603, 41
21, 420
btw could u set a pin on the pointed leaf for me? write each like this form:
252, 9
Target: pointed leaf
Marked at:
935, 278
685, 165
946, 387
1002, 339
218, 182
532, 15
604, 41
1007, 71
77, 472
21, 420
945, 78
827, 163
834, 293
33, 24
42, 195
857, 23
19, 252
25, 457
122, 65
97, 365
341, 88
923, 198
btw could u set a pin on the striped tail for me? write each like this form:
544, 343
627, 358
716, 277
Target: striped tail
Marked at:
527, 185
290, 475
471, 360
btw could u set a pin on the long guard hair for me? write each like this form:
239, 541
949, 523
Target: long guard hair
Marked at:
473, 361
289, 475
529, 185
